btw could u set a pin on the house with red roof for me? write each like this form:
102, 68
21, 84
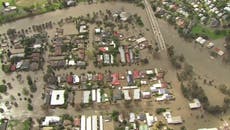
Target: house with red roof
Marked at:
136, 74
69, 79
100, 76
115, 79
77, 122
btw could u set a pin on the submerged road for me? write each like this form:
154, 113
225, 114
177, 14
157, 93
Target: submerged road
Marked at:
154, 26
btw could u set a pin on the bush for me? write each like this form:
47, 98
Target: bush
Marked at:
3, 88
160, 110
30, 107
115, 115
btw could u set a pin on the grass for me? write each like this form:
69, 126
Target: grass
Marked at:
24, 3
211, 33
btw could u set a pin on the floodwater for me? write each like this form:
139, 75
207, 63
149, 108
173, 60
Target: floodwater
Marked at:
199, 59
81, 9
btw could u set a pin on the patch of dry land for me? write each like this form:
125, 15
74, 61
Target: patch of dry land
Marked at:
195, 55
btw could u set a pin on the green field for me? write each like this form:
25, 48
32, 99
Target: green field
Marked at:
211, 33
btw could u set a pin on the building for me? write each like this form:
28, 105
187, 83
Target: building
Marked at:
146, 95
150, 119
57, 97
101, 126
50, 119
94, 122
141, 40
137, 94
132, 117
86, 95
122, 54
76, 79
126, 94
207, 129
83, 122
88, 123
195, 104
115, 79
172, 119
201, 40
98, 95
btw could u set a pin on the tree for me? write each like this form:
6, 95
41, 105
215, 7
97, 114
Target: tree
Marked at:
115, 115
30, 107
3, 88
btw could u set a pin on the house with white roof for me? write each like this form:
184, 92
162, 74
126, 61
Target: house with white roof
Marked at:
76, 79
126, 94
50, 119
57, 97
195, 104
86, 95
137, 94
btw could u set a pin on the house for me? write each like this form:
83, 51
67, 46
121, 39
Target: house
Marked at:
57, 97
103, 49
100, 77
129, 78
50, 119
76, 79
132, 117
25, 65
98, 95
201, 40
150, 119
86, 96
94, 122
98, 30
146, 94
175, 120
210, 45
69, 79
124, 16
118, 95
207, 129
172, 119
180, 22
137, 94
70, 3
106, 58
101, 124
219, 52
6, 4
141, 117
141, 40
115, 79
214, 22
83, 29
122, 54
81, 64
83, 122
136, 74
88, 123
195, 104
126, 94
77, 122
71, 62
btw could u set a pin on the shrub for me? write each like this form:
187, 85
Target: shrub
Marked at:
3, 88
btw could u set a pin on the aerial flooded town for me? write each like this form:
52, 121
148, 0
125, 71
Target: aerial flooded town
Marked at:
114, 64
